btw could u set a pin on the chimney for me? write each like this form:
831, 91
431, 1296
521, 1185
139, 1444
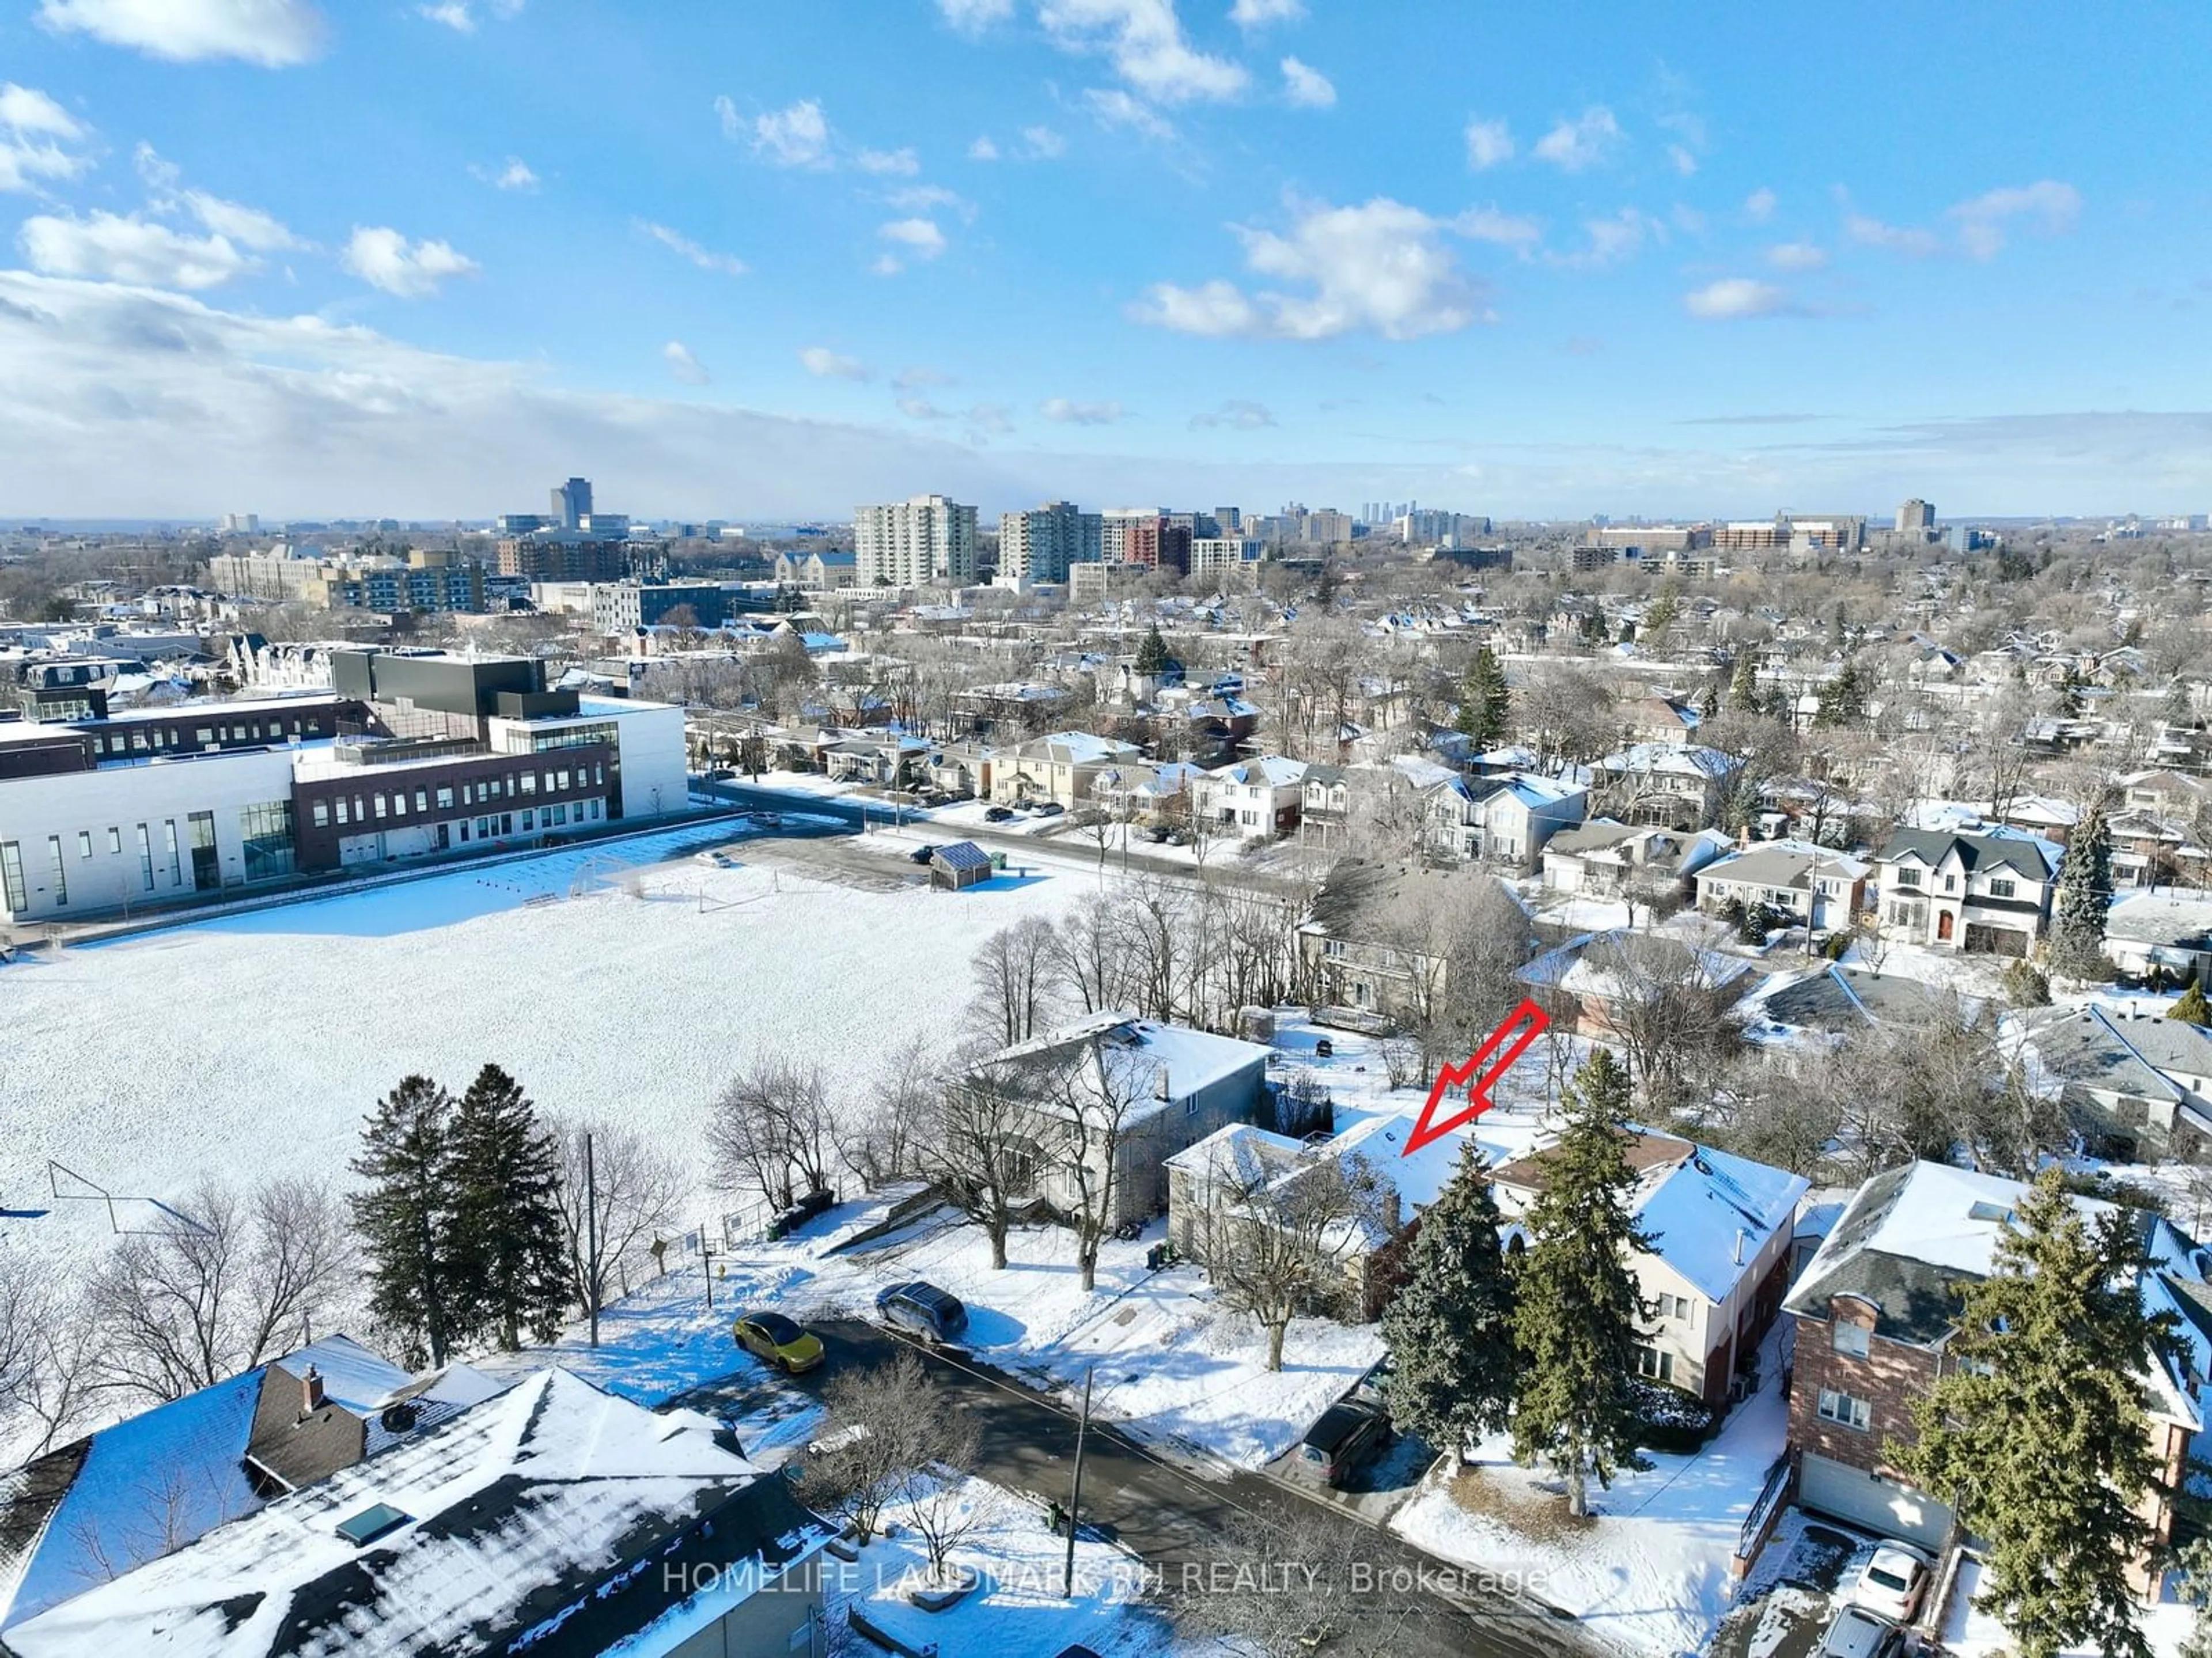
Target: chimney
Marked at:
1738, 1246
1160, 1088
311, 1391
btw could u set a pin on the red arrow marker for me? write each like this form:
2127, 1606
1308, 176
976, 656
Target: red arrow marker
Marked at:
1485, 1069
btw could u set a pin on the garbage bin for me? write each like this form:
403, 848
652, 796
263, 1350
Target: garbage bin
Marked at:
1156, 1257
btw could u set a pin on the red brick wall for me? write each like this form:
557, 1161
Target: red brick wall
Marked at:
1889, 1378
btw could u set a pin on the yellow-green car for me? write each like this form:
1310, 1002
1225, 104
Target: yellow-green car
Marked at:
775, 1340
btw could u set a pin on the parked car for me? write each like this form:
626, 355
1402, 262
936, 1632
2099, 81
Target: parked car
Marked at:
767, 819
921, 854
1893, 1581
1050, 809
775, 1340
923, 1310
1159, 834
997, 814
1347, 1433
1858, 1633
719, 858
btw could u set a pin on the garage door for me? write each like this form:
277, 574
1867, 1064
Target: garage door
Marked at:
1859, 1498
1983, 939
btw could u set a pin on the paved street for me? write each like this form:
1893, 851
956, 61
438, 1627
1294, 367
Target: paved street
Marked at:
1167, 1515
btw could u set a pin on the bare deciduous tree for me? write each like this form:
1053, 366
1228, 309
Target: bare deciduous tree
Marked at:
890, 1426
634, 1191
877, 1141
771, 1132
1014, 980
981, 1149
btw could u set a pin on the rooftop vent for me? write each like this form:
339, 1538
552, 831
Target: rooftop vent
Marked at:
371, 1523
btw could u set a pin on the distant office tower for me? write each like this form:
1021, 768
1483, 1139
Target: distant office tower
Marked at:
1229, 521
1158, 543
910, 542
572, 503
1916, 518
1042, 542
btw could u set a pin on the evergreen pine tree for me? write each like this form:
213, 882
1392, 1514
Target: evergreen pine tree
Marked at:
1743, 684
2069, 693
404, 1215
1709, 706
1450, 1331
1484, 702
2085, 892
506, 1233
2191, 1008
2039, 1436
1152, 652
1576, 1313
1843, 699
1660, 615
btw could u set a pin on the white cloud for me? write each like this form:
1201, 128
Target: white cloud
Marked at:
797, 137
1068, 413
1614, 239
1116, 108
37, 139
976, 15
676, 241
453, 14
1308, 88
899, 163
2052, 207
1488, 143
125, 248
922, 409
1487, 224
1734, 298
1582, 143
1144, 41
920, 236
1759, 206
248, 227
1898, 239
1239, 414
154, 171
887, 264
927, 198
682, 364
820, 359
1381, 267
1258, 14
992, 417
384, 258
274, 34
1796, 256
515, 175
920, 378
1682, 159
1042, 144
983, 149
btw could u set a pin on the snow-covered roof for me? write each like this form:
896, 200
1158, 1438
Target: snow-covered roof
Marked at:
514, 1515
1148, 1065
1785, 864
1273, 769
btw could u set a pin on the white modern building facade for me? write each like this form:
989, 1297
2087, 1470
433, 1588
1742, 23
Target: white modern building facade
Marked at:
911, 543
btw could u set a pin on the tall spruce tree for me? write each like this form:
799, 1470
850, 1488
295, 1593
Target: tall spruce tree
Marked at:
1152, 651
2039, 1436
1485, 704
1453, 1365
1576, 1315
2084, 892
2191, 1007
506, 1229
404, 1217
1743, 683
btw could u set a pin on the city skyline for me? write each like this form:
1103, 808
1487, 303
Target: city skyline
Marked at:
411, 262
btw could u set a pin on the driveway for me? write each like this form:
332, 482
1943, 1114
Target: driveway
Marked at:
1167, 1515
1785, 1606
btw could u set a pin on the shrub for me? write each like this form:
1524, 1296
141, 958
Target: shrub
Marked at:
2024, 985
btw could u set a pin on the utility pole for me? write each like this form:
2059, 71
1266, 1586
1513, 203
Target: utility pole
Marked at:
592, 1236
1075, 1496
706, 1264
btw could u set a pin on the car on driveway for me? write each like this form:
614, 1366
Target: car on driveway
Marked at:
1050, 809
767, 820
998, 814
1858, 1633
922, 1309
1347, 1434
921, 854
775, 1340
719, 859
1893, 1581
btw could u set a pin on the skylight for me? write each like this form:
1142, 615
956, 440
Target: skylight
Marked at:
371, 1523
1990, 1212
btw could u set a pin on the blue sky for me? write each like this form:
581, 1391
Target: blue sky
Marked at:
774, 257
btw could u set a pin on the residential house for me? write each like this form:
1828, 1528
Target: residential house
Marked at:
1325, 804
1875, 1309
1810, 884
1605, 858
1679, 786
1836, 1000
1503, 819
963, 770
1360, 945
552, 1516
1592, 982
2040, 815
112, 1501
889, 762
2166, 933
1659, 720
2135, 1085
2166, 793
1014, 707
817, 571
2149, 851
1060, 768
1250, 800
1715, 1275
1987, 893
1146, 793
1151, 1089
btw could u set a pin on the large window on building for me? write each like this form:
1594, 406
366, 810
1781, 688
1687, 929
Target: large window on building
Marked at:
1845, 1410
11, 877
267, 831
61, 870
145, 860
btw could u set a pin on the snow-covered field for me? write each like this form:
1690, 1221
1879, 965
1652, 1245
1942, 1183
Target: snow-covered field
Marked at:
1651, 1572
607, 981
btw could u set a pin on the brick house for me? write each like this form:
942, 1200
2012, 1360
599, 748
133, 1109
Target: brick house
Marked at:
1875, 1310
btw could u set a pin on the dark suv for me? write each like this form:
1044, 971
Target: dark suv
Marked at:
1348, 1433
923, 1310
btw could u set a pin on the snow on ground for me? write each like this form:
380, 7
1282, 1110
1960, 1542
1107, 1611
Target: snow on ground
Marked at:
1971, 1633
1651, 1572
1018, 1608
254, 1044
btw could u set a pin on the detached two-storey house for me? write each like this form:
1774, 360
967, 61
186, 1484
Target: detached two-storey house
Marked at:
1060, 768
1250, 798
1504, 820
1988, 894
